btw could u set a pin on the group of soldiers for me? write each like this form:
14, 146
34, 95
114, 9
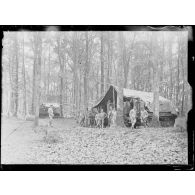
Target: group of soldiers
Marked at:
131, 114
133, 117
98, 118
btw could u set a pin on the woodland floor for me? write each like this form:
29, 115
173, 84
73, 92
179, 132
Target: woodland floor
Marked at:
67, 143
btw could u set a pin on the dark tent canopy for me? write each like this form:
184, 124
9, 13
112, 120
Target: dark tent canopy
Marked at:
111, 95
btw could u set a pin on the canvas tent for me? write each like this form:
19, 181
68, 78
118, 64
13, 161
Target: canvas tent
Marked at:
165, 105
166, 108
111, 95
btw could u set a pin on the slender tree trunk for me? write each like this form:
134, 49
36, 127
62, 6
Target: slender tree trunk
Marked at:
97, 90
33, 89
178, 73
45, 80
156, 93
16, 75
80, 91
11, 88
61, 62
38, 45
184, 62
24, 79
170, 71
61, 90
102, 63
119, 118
66, 87
86, 72
48, 76
75, 70
109, 61
155, 63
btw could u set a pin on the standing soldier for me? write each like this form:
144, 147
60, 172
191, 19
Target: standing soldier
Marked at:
144, 116
102, 116
109, 116
51, 115
132, 115
113, 120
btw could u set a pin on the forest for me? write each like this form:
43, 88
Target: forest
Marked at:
75, 68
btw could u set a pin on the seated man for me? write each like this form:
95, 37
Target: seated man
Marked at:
132, 116
144, 117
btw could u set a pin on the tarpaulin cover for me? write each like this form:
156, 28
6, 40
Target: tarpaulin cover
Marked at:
165, 105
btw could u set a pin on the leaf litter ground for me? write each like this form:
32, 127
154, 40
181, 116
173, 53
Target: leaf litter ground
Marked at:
67, 143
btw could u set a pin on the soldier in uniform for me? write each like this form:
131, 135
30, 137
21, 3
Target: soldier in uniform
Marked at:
132, 116
110, 116
102, 117
144, 116
113, 120
51, 115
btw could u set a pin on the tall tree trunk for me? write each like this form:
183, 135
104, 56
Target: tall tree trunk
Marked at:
45, 80
170, 71
66, 87
38, 45
184, 64
61, 62
75, 69
33, 89
156, 92
109, 61
24, 78
61, 90
86, 72
102, 62
80, 91
16, 75
10, 108
119, 118
48, 76
155, 63
178, 73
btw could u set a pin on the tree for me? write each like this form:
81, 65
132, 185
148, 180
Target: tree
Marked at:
61, 75
126, 54
155, 64
16, 67
86, 71
78, 67
102, 61
24, 77
37, 39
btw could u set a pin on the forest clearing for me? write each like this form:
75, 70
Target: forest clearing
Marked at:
67, 143
95, 97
